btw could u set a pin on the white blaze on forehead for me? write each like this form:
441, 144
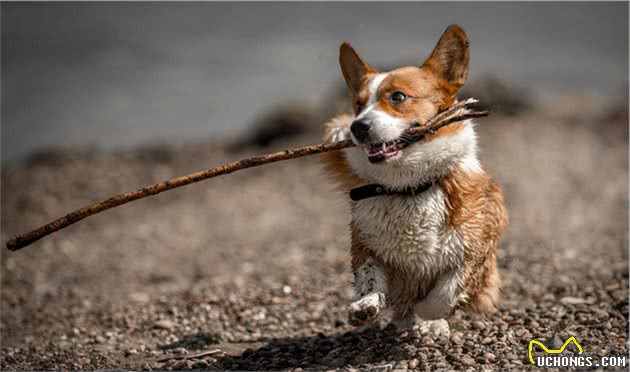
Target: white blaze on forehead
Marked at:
373, 88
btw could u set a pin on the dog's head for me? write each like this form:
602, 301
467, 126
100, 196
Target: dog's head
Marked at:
387, 104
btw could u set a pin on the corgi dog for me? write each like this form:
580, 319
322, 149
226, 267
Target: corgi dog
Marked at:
426, 217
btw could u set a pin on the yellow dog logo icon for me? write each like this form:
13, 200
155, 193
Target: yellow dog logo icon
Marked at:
544, 348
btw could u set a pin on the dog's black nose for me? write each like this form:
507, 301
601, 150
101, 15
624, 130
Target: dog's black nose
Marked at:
360, 129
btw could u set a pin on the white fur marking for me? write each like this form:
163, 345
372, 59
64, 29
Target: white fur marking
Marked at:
438, 303
470, 164
384, 127
365, 111
410, 232
373, 88
372, 299
373, 98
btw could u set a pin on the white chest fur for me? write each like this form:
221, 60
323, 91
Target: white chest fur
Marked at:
410, 232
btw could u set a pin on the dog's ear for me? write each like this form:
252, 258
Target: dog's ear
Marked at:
353, 67
449, 59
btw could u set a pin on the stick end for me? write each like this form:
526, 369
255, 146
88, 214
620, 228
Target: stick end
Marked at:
470, 101
13, 245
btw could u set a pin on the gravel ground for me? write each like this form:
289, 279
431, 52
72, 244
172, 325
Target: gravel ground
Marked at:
251, 271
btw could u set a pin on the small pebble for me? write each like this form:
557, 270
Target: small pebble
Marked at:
413, 363
467, 360
180, 350
164, 324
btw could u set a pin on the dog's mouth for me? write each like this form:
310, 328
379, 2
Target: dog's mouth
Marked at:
378, 152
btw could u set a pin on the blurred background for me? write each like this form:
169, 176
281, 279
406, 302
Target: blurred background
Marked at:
102, 98
112, 75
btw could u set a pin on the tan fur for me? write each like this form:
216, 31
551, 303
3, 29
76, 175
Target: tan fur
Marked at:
477, 212
450, 56
355, 70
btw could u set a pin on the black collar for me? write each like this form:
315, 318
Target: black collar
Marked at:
374, 189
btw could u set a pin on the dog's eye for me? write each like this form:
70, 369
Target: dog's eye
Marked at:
398, 97
358, 106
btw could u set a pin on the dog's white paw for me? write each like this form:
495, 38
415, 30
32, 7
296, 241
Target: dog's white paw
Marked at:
339, 134
435, 329
338, 129
366, 309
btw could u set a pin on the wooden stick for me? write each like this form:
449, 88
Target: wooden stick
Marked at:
194, 356
455, 113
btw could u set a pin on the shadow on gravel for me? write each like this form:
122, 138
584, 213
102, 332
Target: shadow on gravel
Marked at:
370, 346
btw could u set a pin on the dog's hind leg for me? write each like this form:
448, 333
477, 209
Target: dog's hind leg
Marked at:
429, 315
440, 302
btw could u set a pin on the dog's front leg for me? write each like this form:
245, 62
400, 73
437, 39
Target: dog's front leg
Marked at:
369, 287
338, 129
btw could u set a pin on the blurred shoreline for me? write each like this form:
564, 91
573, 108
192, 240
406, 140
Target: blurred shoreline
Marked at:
306, 122
115, 75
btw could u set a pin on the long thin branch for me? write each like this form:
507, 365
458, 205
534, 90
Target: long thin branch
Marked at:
455, 113
194, 356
